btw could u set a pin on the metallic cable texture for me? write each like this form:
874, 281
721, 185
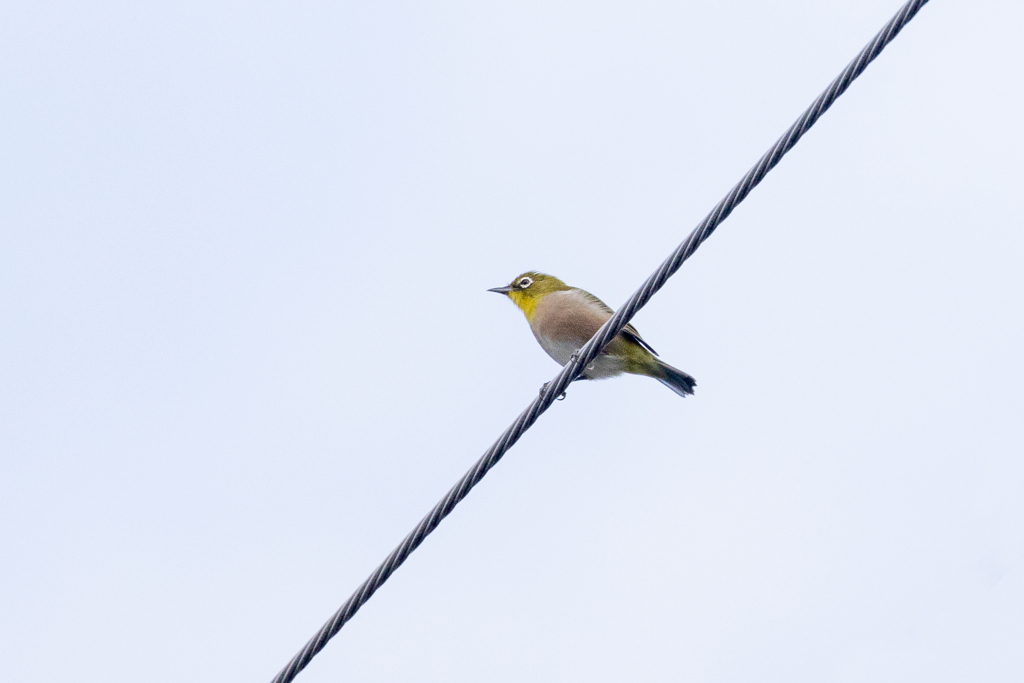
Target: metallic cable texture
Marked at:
592, 348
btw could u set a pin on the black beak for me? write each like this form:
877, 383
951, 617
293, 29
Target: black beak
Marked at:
501, 290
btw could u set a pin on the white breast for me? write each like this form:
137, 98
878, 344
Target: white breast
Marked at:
561, 351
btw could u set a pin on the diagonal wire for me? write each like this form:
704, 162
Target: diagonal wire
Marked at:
574, 368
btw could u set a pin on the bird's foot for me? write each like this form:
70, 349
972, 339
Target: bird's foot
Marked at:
575, 357
544, 388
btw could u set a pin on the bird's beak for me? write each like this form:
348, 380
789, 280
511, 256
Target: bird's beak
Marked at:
501, 290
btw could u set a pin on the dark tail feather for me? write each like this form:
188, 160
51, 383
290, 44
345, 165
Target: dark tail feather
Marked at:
676, 380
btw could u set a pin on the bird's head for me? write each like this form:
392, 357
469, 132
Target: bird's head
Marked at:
528, 289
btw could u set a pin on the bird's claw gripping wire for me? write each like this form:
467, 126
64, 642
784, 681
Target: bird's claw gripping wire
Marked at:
561, 397
572, 359
575, 357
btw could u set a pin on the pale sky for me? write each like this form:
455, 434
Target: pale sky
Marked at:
245, 342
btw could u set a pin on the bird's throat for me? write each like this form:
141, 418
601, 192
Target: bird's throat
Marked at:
527, 304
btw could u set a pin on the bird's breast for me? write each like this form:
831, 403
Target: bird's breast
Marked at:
563, 322
559, 349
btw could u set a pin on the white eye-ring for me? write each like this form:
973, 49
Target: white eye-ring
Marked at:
525, 282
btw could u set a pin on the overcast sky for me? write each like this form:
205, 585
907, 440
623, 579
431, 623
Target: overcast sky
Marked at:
245, 342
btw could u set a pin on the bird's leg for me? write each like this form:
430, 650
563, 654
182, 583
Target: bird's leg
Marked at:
572, 359
543, 388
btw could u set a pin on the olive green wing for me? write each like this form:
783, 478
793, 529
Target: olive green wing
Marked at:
629, 332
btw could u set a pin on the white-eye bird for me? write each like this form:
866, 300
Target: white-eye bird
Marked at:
564, 318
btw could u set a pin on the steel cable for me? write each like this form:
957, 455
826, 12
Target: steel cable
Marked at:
591, 349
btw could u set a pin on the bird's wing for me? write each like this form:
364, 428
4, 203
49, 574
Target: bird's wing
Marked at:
629, 332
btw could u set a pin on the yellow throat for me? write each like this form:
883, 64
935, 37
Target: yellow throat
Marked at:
527, 303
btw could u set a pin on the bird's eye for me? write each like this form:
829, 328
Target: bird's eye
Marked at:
525, 282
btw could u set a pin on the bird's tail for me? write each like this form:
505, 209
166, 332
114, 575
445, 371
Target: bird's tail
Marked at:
676, 380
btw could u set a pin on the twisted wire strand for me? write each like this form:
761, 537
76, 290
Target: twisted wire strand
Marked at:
591, 349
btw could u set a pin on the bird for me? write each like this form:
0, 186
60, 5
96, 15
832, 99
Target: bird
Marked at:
564, 318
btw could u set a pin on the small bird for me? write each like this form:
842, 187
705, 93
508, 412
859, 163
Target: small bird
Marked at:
564, 318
